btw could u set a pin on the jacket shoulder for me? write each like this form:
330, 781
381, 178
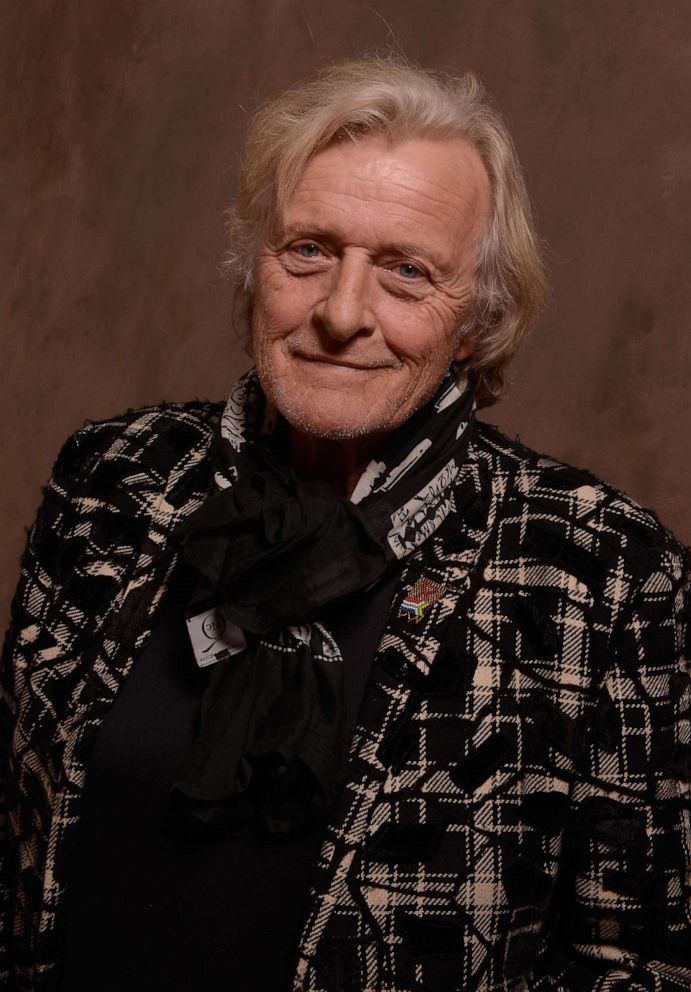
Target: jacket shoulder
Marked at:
560, 497
105, 481
151, 434
119, 464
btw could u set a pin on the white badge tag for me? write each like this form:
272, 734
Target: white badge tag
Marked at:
213, 637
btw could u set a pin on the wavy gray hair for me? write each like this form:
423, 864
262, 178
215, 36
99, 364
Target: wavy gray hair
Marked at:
388, 96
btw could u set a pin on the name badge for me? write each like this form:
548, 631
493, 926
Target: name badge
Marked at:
213, 637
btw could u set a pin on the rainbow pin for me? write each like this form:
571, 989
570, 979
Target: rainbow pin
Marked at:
419, 598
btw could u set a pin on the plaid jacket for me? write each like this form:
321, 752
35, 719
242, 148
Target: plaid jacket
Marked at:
517, 814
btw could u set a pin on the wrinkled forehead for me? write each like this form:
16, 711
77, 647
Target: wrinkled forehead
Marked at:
434, 188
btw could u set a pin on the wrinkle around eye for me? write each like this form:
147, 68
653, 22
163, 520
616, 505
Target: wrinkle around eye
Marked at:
300, 264
413, 286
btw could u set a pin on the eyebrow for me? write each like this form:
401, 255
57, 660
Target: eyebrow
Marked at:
393, 248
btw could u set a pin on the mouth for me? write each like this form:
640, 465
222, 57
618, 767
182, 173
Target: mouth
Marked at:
338, 362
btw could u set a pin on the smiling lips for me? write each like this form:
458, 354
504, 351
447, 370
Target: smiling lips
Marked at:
342, 363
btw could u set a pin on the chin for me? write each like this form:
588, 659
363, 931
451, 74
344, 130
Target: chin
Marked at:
334, 414
331, 429
344, 424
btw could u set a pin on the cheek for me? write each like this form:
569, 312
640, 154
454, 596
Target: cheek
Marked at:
423, 336
280, 307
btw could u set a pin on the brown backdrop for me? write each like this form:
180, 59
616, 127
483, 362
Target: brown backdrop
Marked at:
123, 125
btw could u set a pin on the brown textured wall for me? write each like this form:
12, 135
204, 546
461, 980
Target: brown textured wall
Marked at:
120, 146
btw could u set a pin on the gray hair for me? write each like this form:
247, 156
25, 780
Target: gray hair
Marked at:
388, 96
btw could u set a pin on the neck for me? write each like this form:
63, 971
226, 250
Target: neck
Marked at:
339, 462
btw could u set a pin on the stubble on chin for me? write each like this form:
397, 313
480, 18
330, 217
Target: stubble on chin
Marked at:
337, 417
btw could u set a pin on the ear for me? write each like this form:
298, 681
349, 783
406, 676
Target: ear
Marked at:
464, 350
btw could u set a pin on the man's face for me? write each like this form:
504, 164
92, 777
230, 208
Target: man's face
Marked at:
362, 289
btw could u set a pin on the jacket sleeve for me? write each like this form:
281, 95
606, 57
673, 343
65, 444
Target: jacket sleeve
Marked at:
40, 569
622, 909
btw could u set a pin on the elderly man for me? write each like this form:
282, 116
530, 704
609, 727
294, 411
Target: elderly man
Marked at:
334, 687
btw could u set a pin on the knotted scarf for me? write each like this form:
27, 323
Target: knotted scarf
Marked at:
272, 549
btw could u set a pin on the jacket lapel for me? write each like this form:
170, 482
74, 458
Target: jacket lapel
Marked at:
409, 662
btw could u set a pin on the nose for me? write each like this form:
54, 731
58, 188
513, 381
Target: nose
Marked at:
346, 309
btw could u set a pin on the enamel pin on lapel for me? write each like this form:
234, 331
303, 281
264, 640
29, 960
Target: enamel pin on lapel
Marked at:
419, 597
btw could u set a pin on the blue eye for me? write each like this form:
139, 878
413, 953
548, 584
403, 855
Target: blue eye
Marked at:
408, 270
308, 250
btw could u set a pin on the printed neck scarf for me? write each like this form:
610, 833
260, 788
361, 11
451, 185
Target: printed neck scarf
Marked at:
272, 549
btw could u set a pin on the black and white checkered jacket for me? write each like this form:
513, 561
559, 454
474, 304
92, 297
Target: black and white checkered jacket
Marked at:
517, 814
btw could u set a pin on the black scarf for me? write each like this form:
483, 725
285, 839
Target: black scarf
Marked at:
272, 549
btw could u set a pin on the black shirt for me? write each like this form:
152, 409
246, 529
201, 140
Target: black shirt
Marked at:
148, 911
